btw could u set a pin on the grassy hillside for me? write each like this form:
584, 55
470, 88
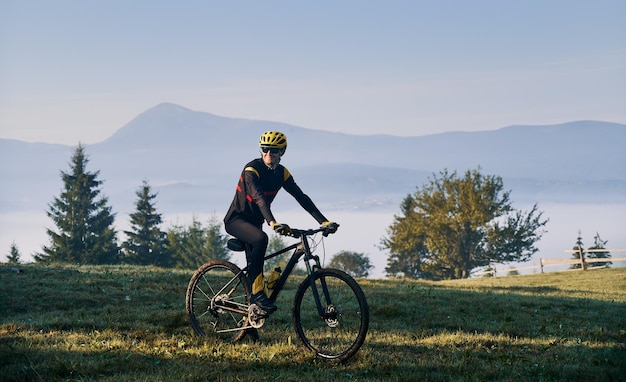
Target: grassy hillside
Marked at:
128, 323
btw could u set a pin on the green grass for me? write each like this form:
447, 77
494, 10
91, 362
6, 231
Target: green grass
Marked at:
122, 323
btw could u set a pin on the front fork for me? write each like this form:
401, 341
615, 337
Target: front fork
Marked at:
322, 308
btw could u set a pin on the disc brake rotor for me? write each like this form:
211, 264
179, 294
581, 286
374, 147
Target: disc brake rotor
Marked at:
331, 316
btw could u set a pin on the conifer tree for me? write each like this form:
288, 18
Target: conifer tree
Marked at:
192, 246
579, 250
145, 243
598, 246
85, 233
14, 255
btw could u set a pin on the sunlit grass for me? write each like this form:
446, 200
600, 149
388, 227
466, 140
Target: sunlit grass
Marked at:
128, 324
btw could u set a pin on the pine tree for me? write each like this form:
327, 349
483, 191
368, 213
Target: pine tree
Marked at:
146, 243
14, 255
192, 246
84, 220
598, 246
579, 251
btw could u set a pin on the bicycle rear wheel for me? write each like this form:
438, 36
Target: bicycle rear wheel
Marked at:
340, 331
214, 283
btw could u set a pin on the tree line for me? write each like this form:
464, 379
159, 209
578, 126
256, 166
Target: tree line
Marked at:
84, 231
449, 227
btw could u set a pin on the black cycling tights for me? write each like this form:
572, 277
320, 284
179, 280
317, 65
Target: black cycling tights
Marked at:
257, 239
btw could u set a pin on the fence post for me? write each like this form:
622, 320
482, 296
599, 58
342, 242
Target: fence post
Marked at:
582, 258
541, 264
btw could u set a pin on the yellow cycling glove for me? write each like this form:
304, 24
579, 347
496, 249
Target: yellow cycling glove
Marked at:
281, 229
331, 227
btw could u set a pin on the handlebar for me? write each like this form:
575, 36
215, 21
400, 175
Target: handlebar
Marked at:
297, 233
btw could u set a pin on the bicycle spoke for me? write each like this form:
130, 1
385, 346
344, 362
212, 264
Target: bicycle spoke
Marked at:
330, 311
341, 329
216, 289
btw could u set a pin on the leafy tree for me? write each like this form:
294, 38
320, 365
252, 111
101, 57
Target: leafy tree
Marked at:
454, 225
146, 244
353, 263
192, 246
13, 257
407, 249
84, 220
579, 251
599, 244
276, 242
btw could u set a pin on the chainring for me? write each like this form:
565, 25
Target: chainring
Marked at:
256, 316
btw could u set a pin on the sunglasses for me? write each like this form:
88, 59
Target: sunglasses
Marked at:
271, 151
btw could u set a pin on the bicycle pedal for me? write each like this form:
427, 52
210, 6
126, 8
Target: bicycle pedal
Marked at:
257, 311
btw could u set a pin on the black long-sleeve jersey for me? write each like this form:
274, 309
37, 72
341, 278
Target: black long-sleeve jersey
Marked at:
257, 188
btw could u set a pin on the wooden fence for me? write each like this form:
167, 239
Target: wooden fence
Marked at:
584, 262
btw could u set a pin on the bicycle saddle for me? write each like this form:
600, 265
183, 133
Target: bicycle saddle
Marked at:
236, 245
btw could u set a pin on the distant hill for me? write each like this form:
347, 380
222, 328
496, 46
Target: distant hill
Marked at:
192, 159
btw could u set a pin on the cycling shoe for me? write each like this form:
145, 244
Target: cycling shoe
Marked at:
261, 300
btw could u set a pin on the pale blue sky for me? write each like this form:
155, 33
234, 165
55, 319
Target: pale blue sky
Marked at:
75, 71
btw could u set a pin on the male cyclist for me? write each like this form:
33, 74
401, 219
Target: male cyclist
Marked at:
260, 181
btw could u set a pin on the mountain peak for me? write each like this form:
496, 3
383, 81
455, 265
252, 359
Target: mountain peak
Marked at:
166, 107
165, 124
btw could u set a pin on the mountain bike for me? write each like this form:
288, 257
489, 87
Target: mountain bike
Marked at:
330, 313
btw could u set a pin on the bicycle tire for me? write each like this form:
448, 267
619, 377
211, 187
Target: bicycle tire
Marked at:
208, 280
340, 335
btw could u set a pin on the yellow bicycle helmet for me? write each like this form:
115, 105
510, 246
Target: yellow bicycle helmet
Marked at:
273, 140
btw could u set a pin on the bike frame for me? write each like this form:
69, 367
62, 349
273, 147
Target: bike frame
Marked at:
300, 249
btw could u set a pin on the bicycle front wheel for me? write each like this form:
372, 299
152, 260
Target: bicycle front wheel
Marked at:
339, 330
214, 286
